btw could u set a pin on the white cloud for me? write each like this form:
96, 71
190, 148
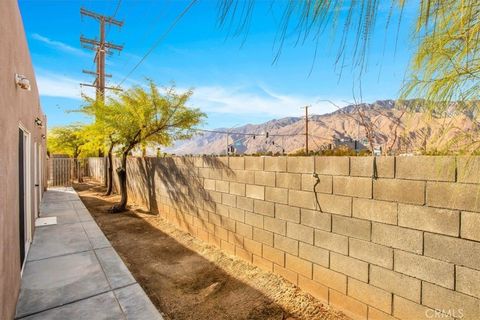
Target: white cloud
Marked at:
257, 100
59, 45
231, 101
55, 85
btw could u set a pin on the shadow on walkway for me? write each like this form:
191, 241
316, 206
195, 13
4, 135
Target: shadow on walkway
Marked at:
180, 282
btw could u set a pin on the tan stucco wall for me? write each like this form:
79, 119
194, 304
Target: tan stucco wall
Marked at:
16, 106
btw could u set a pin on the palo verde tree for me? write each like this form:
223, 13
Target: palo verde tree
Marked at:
446, 65
102, 138
445, 69
100, 134
66, 140
141, 116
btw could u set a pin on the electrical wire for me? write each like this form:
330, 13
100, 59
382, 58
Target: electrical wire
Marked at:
251, 134
159, 40
119, 3
147, 32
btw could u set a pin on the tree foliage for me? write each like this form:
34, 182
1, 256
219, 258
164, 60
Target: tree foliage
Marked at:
140, 117
446, 63
349, 24
100, 134
147, 117
446, 66
67, 140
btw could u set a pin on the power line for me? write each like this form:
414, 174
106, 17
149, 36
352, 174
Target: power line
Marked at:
316, 144
162, 37
306, 129
147, 31
119, 3
266, 134
321, 138
118, 7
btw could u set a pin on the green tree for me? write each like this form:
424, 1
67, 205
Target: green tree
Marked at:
69, 140
66, 140
446, 66
145, 117
100, 135
445, 69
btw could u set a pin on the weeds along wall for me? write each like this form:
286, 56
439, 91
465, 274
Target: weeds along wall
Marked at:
384, 238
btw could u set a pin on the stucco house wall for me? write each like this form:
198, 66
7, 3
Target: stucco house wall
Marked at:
18, 107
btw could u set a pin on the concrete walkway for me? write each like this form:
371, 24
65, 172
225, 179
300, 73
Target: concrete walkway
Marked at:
72, 272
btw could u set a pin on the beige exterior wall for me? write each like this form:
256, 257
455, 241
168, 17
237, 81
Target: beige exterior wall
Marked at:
17, 107
400, 245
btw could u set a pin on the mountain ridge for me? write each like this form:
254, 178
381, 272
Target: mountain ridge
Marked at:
383, 123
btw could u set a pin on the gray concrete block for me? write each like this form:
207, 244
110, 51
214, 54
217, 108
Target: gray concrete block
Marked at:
114, 268
84, 215
72, 270
95, 235
78, 204
47, 207
51, 241
135, 303
101, 307
54, 194
55, 281
63, 215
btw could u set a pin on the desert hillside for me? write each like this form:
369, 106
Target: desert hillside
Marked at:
386, 124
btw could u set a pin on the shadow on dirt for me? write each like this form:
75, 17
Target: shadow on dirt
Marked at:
180, 282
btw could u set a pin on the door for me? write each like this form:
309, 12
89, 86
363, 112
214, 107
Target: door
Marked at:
40, 173
21, 193
24, 193
35, 180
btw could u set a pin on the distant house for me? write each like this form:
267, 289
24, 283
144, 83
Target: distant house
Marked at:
22, 154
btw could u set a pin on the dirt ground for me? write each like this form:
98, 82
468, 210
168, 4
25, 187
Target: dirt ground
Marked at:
188, 279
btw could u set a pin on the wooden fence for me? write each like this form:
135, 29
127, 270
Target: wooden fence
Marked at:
96, 168
62, 171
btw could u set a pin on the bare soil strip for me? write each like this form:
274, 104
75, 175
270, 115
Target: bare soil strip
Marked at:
188, 279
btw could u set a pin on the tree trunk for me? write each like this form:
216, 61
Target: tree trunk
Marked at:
122, 178
109, 171
75, 170
79, 171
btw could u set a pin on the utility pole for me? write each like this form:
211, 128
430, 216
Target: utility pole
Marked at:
306, 129
226, 145
102, 48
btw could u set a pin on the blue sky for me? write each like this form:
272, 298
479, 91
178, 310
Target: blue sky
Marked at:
234, 81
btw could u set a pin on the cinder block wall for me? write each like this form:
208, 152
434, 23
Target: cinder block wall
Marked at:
399, 239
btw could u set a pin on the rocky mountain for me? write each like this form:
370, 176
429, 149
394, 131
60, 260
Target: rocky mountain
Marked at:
388, 124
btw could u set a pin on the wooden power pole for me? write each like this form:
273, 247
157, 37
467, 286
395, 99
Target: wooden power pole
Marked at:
102, 48
306, 129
